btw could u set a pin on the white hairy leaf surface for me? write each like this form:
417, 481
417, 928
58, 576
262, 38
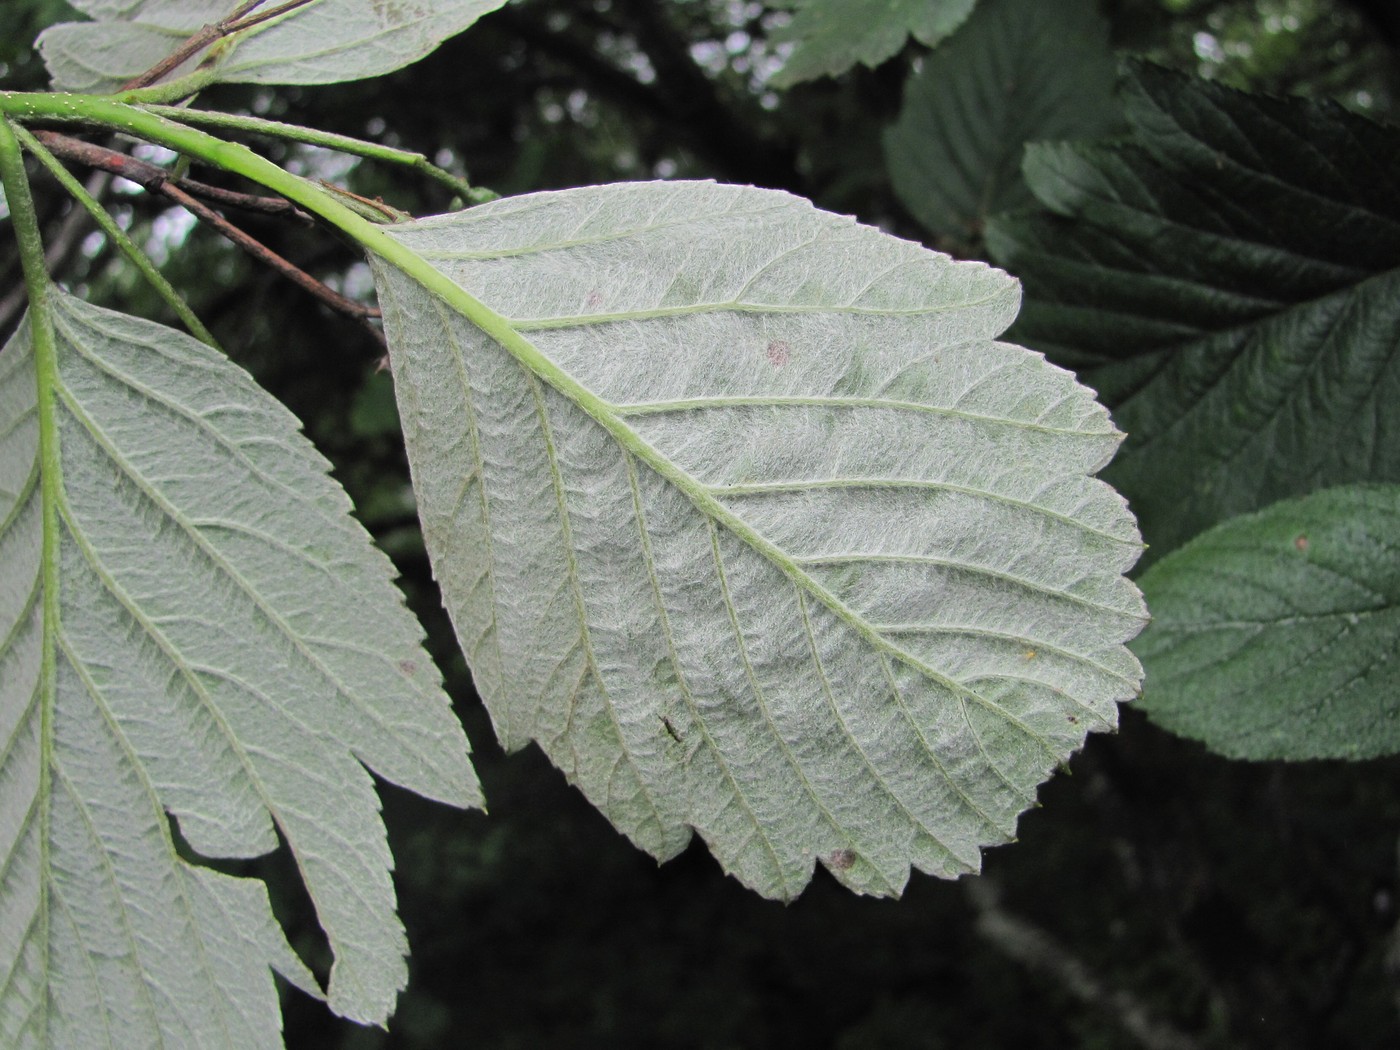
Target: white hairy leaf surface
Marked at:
323, 42
743, 514
190, 624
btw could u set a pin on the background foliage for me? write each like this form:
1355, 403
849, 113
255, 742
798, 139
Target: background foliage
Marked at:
1235, 904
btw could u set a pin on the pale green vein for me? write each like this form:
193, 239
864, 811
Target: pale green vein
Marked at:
1026, 797
211, 554
14, 424
14, 738
576, 589
14, 972
765, 488
865, 759
28, 819
158, 821
772, 262
898, 694
43, 345
487, 255
459, 364
762, 705
669, 634
101, 993
648, 408
22, 502
653, 313
983, 632
1006, 676
862, 558
105, 863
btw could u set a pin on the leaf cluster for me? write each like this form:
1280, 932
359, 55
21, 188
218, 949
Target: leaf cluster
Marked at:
757, 521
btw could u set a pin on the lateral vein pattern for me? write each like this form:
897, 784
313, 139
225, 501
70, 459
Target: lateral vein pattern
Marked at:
228, 650
759, 433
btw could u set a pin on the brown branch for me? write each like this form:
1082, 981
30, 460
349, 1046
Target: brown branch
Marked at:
242, 18
152, 177
267, 256
186, 192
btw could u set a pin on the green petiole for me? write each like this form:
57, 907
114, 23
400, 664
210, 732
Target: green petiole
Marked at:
119, 237
312, 137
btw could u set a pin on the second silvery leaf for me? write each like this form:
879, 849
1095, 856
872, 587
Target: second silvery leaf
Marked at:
322, 42
742, 512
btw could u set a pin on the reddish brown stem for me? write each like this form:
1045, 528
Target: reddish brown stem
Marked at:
266, 255
151, 177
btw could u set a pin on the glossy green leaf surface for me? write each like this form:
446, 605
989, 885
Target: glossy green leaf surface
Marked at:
831, 36
1016, 71
743, 514
1277, 634
191, 626
324, 42
1229, 280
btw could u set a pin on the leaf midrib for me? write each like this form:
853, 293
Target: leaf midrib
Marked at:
189, 528
648, 408
498, 328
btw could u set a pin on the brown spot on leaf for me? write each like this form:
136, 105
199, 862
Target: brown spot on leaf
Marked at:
408, 667
593, 300
779, 353
1301, 543
842, 859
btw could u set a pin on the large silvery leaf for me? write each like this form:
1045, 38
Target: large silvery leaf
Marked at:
1016, 71
1277, 634
324, 42
741, 512
833, 35
190, 624
1231, 279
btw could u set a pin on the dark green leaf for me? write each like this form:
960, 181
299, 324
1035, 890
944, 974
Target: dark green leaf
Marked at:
1228, 280
1277, 634
833, 35
1017, 71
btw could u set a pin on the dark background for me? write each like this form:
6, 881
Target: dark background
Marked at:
1161, 897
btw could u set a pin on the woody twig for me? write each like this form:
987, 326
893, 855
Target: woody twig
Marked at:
245, 16
151, 177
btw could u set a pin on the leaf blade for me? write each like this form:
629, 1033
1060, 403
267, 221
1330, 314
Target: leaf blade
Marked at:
629, 504
1224, 276
1273, 634
209, 570
834, 35
1015, 72
325, 42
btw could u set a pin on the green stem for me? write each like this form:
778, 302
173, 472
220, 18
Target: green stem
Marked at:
184, 87
119, 237
374, 238
377, 240
44, 345
313, 137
